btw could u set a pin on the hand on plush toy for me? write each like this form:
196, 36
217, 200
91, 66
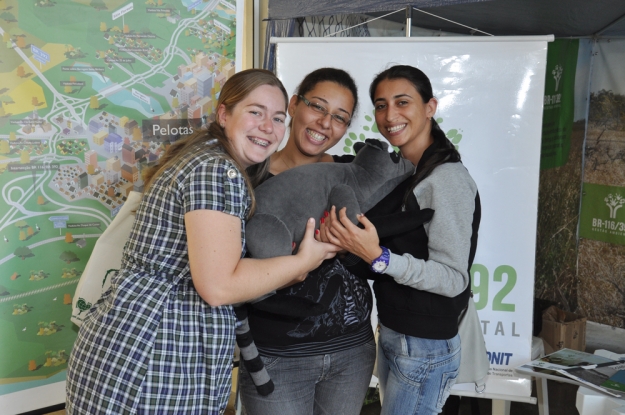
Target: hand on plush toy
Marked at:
311, 249
339, 230
320, 234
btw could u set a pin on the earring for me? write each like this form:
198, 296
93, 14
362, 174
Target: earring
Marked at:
222, 125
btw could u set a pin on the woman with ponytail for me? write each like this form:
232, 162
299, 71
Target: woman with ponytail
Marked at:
161, 340
421, 272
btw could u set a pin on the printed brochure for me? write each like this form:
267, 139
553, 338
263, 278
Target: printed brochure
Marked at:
584, 369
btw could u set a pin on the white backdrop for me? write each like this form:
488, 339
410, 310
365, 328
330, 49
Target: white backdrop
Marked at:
490, 93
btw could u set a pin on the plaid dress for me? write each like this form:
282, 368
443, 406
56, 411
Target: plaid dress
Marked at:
151, 345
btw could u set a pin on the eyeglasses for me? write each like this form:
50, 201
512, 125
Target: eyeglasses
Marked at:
339, 119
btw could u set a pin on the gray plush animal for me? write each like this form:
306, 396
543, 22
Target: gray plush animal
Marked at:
284, 203
287, 201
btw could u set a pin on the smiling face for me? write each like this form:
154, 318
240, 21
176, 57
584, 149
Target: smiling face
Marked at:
402, 116
311, 132
255, 126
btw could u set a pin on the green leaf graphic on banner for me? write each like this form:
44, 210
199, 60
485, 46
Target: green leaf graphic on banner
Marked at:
454, 135
352, 137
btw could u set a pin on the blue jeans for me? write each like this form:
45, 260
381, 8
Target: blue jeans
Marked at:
330, 384
415, 374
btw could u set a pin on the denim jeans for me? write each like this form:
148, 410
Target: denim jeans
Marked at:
415, 374
330, 384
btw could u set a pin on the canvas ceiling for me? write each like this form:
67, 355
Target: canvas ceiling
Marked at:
562, 18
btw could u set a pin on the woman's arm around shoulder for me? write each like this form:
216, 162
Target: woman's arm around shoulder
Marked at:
219, 273
213, 196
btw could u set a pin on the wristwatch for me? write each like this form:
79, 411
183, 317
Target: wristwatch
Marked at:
380, 264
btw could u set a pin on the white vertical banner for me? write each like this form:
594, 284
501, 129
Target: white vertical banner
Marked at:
490, 93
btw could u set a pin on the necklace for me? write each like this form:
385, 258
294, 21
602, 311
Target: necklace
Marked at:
282, 159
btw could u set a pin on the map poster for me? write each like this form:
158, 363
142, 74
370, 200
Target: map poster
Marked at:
82, 83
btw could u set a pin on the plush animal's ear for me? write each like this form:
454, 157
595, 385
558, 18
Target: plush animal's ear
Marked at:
358, 146
376, 143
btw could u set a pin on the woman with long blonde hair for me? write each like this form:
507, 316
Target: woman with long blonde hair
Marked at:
161, 340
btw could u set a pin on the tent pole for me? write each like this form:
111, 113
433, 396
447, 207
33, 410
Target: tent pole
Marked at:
584, 142
256, 24
408, 20
600, 32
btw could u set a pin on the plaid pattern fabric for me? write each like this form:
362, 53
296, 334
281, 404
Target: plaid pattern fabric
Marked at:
151, 345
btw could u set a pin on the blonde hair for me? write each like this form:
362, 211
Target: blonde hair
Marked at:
236, 89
